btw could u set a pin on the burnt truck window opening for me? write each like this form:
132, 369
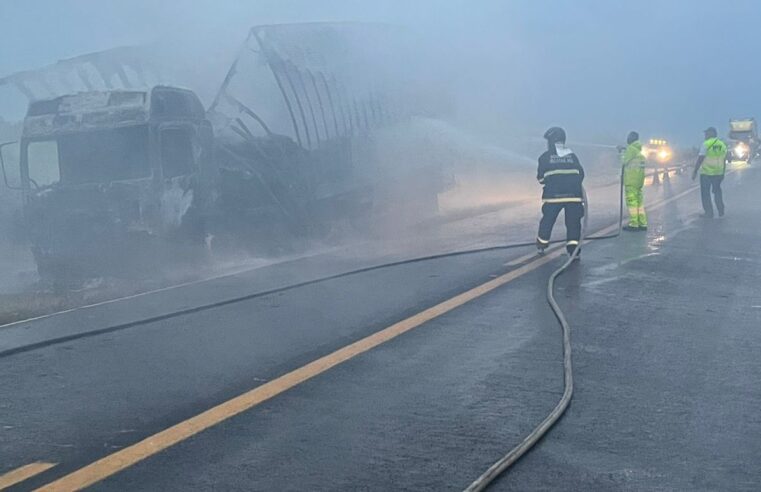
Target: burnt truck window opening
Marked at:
91, 157
43, 162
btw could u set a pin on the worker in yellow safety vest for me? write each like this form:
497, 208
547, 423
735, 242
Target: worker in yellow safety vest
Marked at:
712, 164
633, 162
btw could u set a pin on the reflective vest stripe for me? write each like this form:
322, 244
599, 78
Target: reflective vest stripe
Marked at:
561, 171
562, 200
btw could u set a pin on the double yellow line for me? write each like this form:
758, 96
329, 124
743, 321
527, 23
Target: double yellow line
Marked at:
129, 456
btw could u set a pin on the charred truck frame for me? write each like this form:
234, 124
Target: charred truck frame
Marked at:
105, 175
108, 176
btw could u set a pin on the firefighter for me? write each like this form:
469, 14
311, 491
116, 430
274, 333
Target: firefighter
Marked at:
561, 175
712, 164
633, 162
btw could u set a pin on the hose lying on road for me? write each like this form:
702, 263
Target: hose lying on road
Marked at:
254, 295
545, 425
539, 431
534, 436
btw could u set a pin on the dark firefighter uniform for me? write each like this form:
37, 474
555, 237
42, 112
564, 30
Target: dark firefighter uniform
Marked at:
561, 174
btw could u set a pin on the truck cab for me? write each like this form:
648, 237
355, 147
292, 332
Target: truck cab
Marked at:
103, 171
743, 144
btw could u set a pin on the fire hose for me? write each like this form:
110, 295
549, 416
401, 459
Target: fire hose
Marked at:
549, 421
545, 425
496, 469
255, 295
535, 435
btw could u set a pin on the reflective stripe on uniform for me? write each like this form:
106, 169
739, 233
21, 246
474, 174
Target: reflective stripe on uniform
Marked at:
542, 240
571, 243
561, 171
561, 200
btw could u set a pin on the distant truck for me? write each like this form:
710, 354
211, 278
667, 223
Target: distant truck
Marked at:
744, 143
658, 152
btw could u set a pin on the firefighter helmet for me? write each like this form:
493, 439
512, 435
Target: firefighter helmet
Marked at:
555, 134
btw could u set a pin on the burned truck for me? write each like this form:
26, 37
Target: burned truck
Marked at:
125, 180
106, 175
112, 176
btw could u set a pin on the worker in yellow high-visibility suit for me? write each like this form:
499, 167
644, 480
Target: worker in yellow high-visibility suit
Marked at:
633, 163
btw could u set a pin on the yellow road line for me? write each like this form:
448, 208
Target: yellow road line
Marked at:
23, 473
124, 458
113, 463
526, 257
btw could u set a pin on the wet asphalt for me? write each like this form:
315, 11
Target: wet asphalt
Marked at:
667, 354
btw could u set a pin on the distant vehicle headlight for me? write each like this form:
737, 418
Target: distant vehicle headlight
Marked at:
664, 155
741, 150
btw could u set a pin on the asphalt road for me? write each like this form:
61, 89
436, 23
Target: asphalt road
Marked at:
666, 351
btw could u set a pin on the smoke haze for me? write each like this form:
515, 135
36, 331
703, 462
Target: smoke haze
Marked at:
667, 68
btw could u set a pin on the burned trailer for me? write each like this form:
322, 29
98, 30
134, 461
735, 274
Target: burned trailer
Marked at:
294, 119
273, 195
111, 180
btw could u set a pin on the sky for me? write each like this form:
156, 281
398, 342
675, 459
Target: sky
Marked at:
597, 67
